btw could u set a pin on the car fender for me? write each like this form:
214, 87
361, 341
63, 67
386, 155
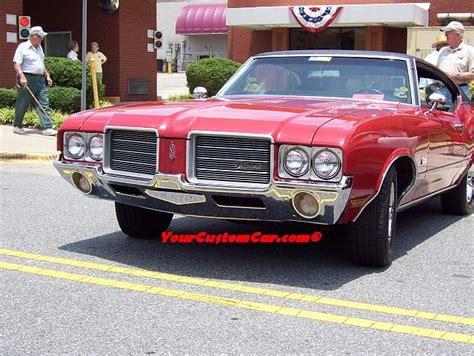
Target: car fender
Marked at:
357, 206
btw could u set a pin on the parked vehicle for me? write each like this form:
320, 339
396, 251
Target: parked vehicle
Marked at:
321, 137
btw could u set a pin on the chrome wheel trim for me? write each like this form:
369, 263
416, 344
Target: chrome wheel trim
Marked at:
391, 212
469, 189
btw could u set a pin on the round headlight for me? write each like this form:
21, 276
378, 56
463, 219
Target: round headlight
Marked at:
96, 147
75, 146
326, 164
296, 162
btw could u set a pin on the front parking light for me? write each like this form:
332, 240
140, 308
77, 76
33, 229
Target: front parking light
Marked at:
81, 182
306, 205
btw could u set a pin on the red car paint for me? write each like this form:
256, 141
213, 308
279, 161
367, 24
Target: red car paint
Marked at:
371, 134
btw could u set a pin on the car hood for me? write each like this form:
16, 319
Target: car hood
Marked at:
286, 120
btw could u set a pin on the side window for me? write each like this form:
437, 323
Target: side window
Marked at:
429, 83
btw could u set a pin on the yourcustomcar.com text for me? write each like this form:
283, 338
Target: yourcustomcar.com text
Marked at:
226, 238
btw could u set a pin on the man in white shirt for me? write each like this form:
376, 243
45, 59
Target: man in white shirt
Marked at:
31, 71
457, 60
440, 42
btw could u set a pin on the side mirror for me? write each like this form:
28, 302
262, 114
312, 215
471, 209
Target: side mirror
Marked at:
435, 100
200, 93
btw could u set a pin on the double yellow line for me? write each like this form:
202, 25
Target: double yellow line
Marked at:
243, 304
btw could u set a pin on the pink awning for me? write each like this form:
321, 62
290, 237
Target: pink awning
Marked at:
202, 19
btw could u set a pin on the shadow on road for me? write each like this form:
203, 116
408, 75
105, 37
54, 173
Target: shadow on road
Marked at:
321, 266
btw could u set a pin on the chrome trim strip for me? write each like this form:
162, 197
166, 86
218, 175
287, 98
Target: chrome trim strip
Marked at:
422, 199
413, 80
240, 207
190, 161
383, 179
107, 149
177, 182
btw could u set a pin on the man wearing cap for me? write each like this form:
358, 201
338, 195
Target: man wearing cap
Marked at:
457, 59
31, 71
440, 42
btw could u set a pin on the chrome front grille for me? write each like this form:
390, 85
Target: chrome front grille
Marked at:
133, 152
232, 159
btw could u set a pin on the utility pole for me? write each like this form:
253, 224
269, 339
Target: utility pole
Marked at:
84, 51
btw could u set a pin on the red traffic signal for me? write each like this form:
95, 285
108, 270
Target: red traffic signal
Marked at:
157, 43
24, 21
24, 25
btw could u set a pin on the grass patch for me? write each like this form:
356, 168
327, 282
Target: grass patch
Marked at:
31, 119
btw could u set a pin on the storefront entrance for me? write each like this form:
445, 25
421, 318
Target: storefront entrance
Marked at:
330, 38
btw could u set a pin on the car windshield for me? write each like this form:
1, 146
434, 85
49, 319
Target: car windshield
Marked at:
327, 76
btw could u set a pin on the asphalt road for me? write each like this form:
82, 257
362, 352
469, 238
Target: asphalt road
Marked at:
59, 294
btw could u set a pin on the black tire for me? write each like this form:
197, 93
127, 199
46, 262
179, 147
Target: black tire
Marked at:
373, 231
141, 223
458, 201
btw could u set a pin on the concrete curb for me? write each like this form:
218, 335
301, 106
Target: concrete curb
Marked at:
27, 156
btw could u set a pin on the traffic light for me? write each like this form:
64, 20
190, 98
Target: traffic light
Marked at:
24, 25
157, 43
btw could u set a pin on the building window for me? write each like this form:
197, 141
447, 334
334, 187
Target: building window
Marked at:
56, 44
330, 38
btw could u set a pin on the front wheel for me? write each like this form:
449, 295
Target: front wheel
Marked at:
458, 201
141, 223
373, 231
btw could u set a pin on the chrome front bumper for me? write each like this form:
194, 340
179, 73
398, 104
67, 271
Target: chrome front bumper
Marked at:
171, 193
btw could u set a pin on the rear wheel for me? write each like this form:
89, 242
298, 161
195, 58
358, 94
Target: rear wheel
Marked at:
373, 231
458, 201
141, 223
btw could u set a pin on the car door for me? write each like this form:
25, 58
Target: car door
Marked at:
447, 150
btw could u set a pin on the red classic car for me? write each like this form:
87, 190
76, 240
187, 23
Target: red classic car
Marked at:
321, 137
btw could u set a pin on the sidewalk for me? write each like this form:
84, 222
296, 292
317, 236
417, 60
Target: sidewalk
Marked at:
171, 84
33, 145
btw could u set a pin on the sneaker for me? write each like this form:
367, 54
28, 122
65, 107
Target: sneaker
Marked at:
49, 132
19, 130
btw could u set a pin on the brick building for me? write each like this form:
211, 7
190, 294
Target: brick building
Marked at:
362, 24
130, 72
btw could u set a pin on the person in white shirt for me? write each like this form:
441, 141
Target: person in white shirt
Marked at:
73, 49
457, 59
31, 71
440, 42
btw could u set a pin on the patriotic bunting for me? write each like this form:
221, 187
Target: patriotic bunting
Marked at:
313, 18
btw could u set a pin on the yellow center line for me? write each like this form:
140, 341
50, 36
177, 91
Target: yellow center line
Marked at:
243, 304
242, 288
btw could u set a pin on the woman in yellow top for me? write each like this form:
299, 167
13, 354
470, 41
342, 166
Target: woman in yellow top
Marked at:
99, 59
